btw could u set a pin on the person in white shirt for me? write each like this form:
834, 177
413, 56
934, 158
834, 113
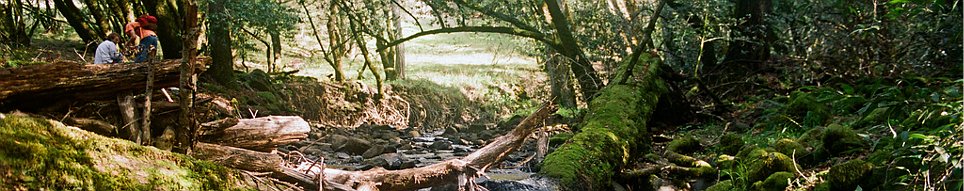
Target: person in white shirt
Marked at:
107, 52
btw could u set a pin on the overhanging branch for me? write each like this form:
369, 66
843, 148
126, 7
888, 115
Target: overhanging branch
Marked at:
484, 29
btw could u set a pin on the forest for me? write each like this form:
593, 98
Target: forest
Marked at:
482, 95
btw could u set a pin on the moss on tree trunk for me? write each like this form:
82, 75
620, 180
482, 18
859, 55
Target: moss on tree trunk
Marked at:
613, 131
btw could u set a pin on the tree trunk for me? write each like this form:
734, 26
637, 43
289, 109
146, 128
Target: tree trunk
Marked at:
589, 81
219, 39
560, 80
76, 19
400, 48
275, 47
169, 23
185, 132
101, 21
753, 14
260, 134
77, 81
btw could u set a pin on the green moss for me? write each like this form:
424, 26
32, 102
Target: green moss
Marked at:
825, 186
791, 147
805, 107
731, 143
840, 140
775, 182
40, 154
848, 176
761, 164
875, 116
726, 185
559, 139
684, 145
614, 128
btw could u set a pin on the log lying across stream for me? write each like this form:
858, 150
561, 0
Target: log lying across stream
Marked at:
259, 134
72, 80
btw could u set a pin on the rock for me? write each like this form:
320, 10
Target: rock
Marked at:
725, 161
684, 145
462, 148
478, 128
414, 133
313, 151
376, 162
259, 80
776, 182
424, 139
731, 143
393, 161
350, 145
726, 185
408, 164
791, 147
839, 140
383, 128
342, 155
356, 159
451, 131
166, 140
763, 163
849, 175
804, 106
374, 151
441, 145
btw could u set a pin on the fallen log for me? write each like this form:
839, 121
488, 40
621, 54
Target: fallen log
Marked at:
460, 171
93, 125
37, 84
611, 133
260, 134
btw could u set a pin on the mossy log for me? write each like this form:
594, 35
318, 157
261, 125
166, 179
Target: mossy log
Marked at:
614, 129
37, 84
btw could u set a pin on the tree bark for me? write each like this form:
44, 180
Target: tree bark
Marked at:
169, 25
76, 19
32, 84
219, 39
589, 81
260, 134
560, 80
753, 28
185, 132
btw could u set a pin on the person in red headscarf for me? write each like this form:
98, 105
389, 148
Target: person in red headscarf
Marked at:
144, 29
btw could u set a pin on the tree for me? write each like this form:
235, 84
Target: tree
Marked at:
219, 39
76, 19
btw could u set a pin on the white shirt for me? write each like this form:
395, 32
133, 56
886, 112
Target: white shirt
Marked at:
107, 53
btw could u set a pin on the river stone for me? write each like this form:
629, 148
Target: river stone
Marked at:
441, 145
350, 145
374, 151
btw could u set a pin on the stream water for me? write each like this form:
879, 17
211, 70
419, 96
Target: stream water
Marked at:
368, 147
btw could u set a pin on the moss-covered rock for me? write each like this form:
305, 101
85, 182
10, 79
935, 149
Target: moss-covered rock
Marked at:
848, 176
684, 145
725, 161
761, 164
839, 140
775, 182
806, 108
791, 147
731, 143
726, 185
38, 154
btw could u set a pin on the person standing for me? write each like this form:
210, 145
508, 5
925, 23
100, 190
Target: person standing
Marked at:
107, 52
148, 38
